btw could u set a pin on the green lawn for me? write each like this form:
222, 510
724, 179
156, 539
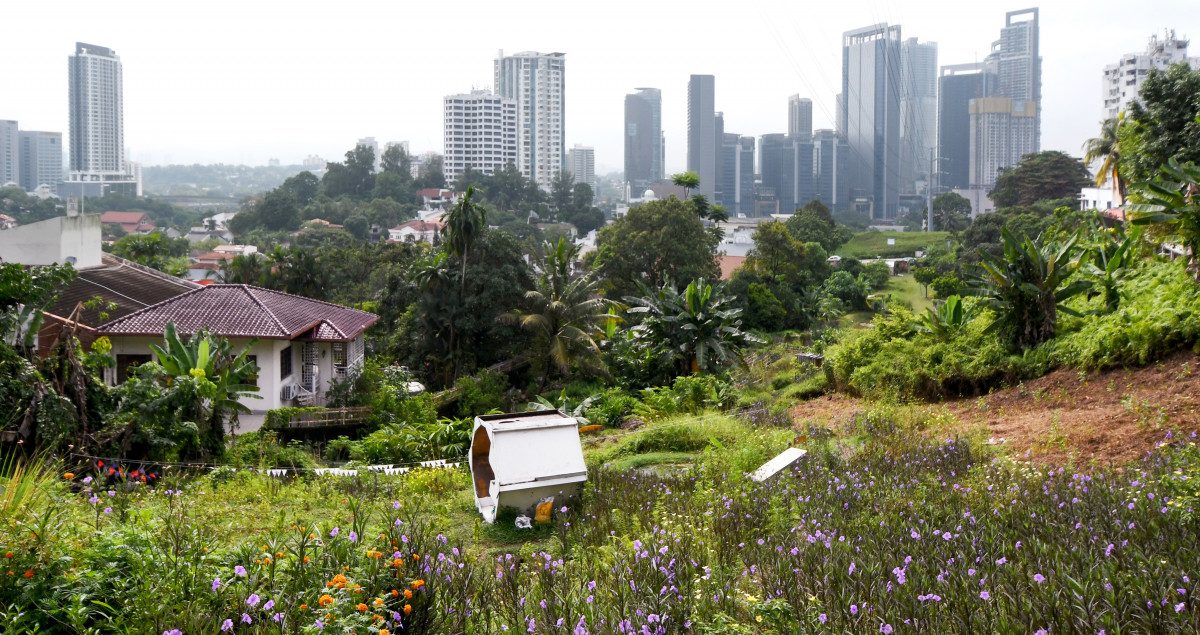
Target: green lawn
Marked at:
874, 244
906, 287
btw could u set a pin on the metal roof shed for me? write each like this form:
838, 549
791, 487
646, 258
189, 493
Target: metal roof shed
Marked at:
518, 459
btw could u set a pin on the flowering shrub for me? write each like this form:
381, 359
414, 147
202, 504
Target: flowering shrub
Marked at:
902, 534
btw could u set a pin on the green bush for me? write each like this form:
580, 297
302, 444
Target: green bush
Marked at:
1159, 314
480, 393
263, 450
279, 417
611, 407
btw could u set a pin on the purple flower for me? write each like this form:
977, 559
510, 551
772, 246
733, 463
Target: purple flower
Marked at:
1179, 607
278, 617
173, 631
984, 595
253, 599
1040, 631
395, 504
1002, 561
822, 618
353, 536
333, 532
93, 500
240, 570
851, 568
246, 618
88, 479
885, 628
216, 584
227, 626
108, 510
269, 605
854, 609
1039, 578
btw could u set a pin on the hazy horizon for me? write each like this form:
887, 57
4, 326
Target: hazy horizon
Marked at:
242, 83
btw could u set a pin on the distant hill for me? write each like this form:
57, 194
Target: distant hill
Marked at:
214, 180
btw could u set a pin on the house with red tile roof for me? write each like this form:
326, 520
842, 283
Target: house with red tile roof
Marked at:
130, 222
300, 345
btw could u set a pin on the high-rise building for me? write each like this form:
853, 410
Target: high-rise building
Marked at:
643, 139
870, 116
957, 86
371, 143
799, 117
581, 161
41, 160
1123, 80
480, 133
9, 152
1005, 124
787, 169
736, 161
702, 132
1002, 131
918, 111
830, 184
535, 81
97, 124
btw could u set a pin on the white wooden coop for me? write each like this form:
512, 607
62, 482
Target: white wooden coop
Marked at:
519, 459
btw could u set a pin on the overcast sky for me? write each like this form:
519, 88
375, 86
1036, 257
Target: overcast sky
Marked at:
245, 81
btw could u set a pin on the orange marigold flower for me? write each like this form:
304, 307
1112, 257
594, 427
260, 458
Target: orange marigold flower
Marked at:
311, 536
407, 609
407, 594
384, 631
378, 602
29, 573
305, 559
395, 593
416, 557
326, 600
416, 584
69, 476
378, 555
278, 554
303, 607
8, 554
398, 562
361, 606
378, 618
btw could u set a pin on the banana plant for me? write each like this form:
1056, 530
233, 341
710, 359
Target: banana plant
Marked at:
1111, 263
1027, 287
949, 318
1173, 199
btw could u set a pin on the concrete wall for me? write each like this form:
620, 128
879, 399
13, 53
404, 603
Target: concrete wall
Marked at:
74, 239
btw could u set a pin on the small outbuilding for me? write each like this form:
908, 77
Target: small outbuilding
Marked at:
519, 459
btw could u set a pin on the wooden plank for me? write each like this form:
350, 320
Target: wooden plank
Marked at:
778, 464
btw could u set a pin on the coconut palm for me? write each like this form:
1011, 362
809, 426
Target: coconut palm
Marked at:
567, 317
1173, 199
464, 223
1107, 148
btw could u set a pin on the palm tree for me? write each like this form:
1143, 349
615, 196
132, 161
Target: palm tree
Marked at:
241, 269
700, 328
465, 221
687, 180
1107, 147
566, 316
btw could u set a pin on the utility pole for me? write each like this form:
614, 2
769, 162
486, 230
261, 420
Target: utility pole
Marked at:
929, 192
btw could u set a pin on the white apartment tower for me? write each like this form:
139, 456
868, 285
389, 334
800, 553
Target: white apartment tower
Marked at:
481, 133
581, 161
535, 81
1123, 80
97, 122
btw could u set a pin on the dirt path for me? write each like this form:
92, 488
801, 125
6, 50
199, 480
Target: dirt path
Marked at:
1115, 415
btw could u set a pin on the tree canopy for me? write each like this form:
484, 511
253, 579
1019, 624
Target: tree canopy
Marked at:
1045, 175
654, 241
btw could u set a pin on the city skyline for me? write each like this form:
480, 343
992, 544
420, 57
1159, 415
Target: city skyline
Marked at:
245, 98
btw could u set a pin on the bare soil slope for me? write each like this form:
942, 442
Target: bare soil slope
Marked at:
1111, 416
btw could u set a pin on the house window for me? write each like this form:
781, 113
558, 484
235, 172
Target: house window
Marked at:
339, 359
127, 362
285, 363
252, 380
